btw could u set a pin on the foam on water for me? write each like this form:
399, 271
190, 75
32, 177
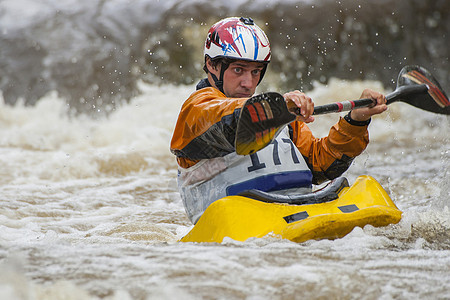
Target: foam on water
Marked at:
90, 210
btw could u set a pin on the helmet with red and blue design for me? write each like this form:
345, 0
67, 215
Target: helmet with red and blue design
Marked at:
237, 39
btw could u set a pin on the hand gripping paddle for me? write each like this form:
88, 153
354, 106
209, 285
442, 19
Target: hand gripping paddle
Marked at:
264, 115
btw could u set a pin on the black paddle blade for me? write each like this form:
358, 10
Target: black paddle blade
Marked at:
435, 100
261, 118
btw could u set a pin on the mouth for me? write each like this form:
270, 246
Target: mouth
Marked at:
243, 95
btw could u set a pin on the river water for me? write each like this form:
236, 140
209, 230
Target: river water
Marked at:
90, 209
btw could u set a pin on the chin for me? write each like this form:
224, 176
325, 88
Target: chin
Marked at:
243, 95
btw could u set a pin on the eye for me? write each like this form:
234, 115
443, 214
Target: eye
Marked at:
237, 70
256, 72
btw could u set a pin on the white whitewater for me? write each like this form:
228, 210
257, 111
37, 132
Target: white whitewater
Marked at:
90, 210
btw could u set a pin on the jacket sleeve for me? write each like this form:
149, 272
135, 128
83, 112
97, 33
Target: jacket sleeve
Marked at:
330, 156
206, 126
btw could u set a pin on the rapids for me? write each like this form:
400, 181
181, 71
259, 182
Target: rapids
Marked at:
89, 204
90, 210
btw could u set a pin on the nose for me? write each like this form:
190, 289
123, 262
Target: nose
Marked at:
247, 80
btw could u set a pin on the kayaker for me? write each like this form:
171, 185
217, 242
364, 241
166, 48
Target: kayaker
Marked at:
236, 54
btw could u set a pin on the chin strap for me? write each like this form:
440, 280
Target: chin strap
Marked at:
263, 71
219, 82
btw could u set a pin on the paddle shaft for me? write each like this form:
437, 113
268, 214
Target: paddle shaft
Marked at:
397, 95
341, 106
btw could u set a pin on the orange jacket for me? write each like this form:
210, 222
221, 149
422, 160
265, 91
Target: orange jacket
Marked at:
206, 129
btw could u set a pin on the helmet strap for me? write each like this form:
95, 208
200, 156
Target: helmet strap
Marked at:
263, 71
219, 82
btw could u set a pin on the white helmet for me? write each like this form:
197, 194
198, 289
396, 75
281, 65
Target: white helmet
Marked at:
237, 38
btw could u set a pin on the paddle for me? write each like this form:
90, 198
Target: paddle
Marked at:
264, 115
415, 86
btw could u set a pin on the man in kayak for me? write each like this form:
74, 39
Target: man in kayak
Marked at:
237, 53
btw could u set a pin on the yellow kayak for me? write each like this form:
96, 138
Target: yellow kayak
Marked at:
240, 218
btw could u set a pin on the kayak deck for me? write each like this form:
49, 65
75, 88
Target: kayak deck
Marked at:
240, 218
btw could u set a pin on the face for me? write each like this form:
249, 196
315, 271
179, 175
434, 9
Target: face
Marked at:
241, 78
